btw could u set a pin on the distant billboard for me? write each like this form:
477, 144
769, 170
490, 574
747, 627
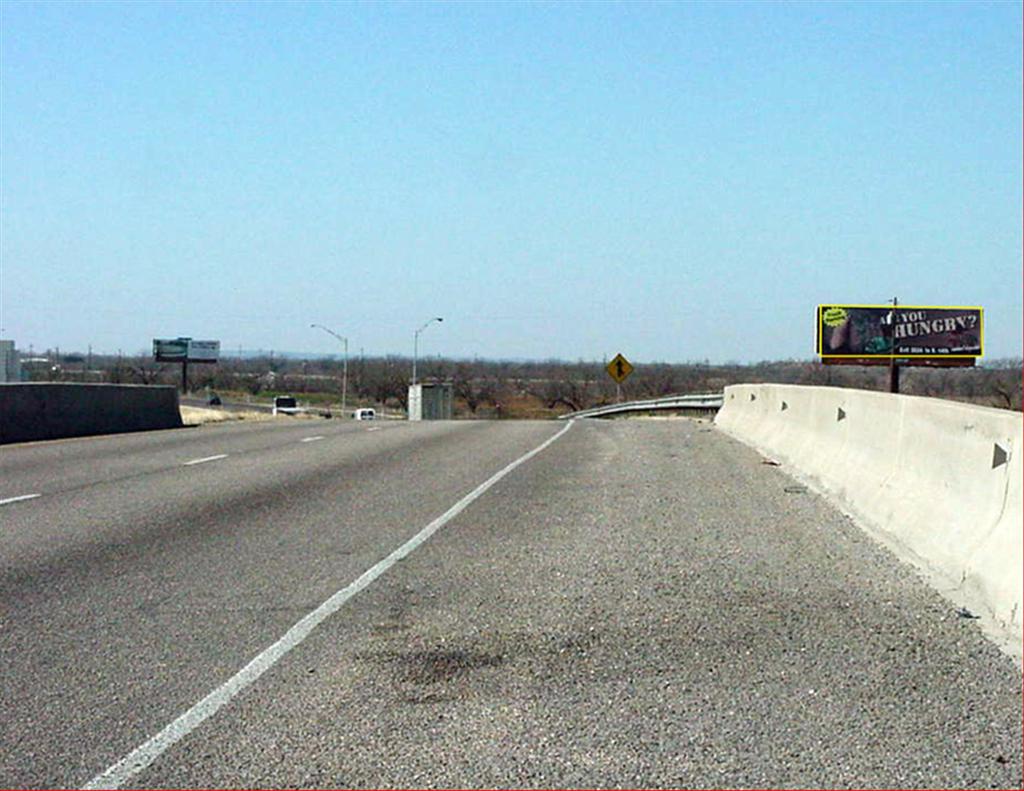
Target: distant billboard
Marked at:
179, 350
167, 350
879, 333
203, 351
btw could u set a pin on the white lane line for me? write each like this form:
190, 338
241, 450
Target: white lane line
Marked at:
19, 498
144, 755
375, 428
206, 459
311, 439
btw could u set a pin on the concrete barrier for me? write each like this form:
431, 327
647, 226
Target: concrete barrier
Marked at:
34, 411
937, 480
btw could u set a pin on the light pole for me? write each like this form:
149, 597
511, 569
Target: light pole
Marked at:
416, 343
344, 374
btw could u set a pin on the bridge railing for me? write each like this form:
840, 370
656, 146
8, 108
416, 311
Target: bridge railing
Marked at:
703, 402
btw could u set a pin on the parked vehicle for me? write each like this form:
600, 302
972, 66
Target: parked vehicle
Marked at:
286, 405
364, 414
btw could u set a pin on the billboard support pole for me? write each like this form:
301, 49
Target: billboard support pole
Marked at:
894, 369
184, 377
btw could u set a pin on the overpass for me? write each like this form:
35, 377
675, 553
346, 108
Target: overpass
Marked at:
505, 603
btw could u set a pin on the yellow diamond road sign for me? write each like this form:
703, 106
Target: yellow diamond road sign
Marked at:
619, 368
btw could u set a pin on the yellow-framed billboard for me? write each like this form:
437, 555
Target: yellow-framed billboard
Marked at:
880, 333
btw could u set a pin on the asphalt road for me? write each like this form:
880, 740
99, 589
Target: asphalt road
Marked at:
640, 604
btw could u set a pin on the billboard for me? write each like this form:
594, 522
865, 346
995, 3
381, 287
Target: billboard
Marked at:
170, 350
879, 333
203, 351
179, 350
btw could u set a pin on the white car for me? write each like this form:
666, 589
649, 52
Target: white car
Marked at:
364, 414
286, 405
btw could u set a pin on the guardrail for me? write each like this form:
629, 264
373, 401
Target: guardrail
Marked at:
704, 402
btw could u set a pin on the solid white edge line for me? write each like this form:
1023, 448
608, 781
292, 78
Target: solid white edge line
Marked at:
144, 755
19, 498
205, 459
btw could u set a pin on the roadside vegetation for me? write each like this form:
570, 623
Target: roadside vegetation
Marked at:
200, 416
518, 389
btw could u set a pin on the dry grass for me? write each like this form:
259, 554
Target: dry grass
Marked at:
197, 416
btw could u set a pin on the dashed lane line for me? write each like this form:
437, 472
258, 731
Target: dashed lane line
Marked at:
19, 498
205, 459
310, 439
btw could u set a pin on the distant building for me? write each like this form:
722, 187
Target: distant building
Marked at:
10, 364
430, 402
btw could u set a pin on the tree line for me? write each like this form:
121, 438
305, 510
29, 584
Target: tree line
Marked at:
505, 388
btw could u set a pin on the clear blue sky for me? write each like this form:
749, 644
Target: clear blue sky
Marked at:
672, 181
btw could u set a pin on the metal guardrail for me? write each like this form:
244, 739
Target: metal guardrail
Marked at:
703, 401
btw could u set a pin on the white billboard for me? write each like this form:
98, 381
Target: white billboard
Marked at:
203, 351
179, 350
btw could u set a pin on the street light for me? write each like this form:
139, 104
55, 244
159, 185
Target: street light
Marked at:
416, 343
344, 375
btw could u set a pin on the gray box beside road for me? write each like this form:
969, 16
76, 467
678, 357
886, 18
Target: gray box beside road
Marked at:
430, 402
52, 410
10, 364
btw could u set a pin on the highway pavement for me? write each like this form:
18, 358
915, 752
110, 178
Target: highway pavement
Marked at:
640, 603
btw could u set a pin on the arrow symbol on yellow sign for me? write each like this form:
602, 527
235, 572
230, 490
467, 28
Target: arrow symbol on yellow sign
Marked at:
619, 368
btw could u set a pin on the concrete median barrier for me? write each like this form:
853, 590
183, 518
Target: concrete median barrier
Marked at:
32, 411
937, 480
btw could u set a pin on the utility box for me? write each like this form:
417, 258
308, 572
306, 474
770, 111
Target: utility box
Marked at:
10, 365
430, 402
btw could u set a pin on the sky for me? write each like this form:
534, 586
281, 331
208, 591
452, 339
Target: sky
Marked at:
672, 181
